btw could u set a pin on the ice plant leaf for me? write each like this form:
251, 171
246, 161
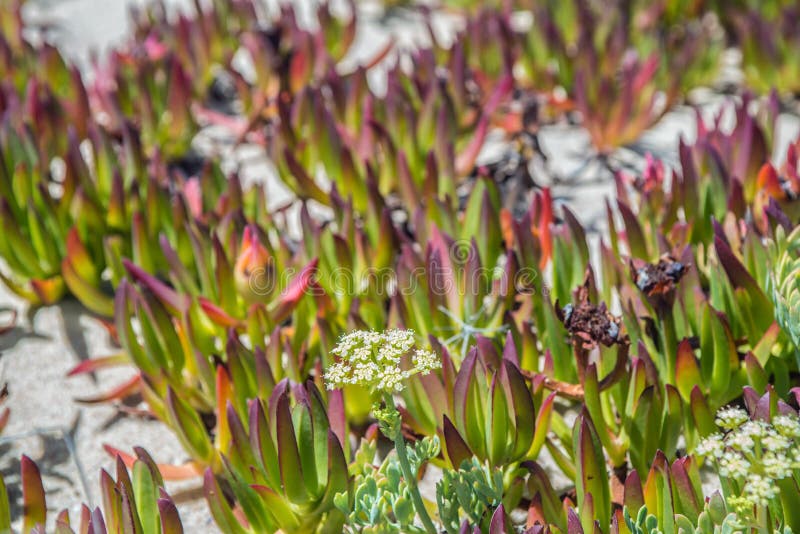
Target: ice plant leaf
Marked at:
298, 287
658, 492
176, 303
220, 509
95, 364
592, 474
5, 512
191, 431
498, 523
122, 391
455, 446
288, 454
170, 520
687, 372
34, 507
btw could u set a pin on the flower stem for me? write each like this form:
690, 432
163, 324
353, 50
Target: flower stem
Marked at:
669, 342
411, 478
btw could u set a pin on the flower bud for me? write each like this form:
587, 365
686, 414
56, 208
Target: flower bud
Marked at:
254, 271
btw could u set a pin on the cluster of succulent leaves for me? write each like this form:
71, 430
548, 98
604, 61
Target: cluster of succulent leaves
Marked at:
549, 370
135, 502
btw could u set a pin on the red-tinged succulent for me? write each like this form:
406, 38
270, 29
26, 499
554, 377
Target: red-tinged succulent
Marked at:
232, 323
203, 40
592, 488
40, 90
682, 313
618, 68
458, 282
719, 257
672, 495
765, 34
69, 233
165, 77
287, 57
253, 261
179, 335
719, 174
284, 464
669, 499
424, 121
491, 412
135, 502
154, 94
781, 185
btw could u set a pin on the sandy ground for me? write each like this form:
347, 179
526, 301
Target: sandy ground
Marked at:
65, 437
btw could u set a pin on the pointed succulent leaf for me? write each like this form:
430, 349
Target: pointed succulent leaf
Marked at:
592, 474
189, 427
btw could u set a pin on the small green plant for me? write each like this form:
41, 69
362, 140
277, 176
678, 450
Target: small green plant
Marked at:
784, 282
469, 494
382, 500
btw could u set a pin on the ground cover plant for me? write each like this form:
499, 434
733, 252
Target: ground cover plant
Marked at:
422, 341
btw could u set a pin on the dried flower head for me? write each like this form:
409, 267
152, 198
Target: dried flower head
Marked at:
591, 324
379, 361
658, 281
588, 323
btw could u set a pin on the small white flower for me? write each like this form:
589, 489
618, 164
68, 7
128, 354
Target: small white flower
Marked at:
733, 465
731, 417
711, 446
774, 442
776, 466
759, 490
787, 425
374, 360
754, 454
740, 441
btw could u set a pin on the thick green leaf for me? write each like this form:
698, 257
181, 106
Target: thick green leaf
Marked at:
170, 520
592, 475
189, 427
497, 427
220, 509
5, 511
145, 494
289, 461
34, 511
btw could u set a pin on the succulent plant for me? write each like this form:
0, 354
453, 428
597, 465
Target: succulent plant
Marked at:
617, 63
491, 414
284, 465
382, 499
783, 282
460, 333
135, 502
763, 33
469, 494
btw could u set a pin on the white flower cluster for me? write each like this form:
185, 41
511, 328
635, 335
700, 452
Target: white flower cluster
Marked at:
731, 417
375, 360
753, 454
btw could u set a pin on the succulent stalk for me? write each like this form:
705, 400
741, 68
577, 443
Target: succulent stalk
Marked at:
392, 429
